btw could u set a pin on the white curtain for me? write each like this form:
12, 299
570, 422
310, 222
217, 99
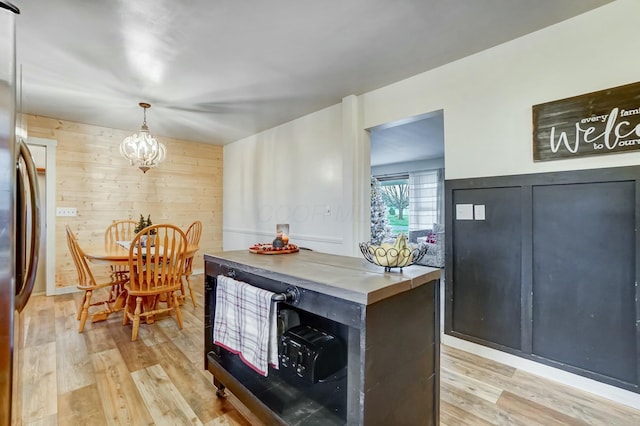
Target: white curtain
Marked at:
440, 200
426, 204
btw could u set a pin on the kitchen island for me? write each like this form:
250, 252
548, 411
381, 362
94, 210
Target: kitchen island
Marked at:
388, 322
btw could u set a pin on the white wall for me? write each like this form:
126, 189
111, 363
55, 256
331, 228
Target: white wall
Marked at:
487, 97
288, 174
292, 172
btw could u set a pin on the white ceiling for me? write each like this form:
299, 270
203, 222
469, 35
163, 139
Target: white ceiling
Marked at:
416, 139
217, 71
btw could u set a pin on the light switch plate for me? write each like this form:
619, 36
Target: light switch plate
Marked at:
66, 211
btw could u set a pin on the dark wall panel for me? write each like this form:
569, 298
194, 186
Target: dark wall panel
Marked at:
583, 276
556, 264
487, 267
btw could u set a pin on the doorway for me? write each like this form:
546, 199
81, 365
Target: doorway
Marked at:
411, 152
407, 159
43, 152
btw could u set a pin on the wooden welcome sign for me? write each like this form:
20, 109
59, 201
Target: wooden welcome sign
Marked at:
597, 123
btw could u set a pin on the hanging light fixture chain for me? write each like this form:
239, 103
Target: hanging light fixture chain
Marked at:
144, 106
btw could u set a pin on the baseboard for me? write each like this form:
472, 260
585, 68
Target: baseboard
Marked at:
603, 390
63, 290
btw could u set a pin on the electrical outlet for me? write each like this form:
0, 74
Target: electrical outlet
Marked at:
66, 211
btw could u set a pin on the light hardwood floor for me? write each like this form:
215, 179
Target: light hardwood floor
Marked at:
100, 377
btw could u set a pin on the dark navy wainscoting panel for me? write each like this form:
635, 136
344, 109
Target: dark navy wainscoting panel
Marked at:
550, 274
477, 288
583, 276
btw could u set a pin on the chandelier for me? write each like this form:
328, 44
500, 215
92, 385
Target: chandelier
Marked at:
143, 150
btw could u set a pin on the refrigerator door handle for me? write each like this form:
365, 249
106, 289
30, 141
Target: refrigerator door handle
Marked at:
24, 289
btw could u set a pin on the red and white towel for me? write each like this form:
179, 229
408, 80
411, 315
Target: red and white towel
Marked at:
245, 323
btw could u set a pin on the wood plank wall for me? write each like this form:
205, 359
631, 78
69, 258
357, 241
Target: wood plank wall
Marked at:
93, 177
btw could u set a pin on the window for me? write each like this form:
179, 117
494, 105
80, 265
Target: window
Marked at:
425, 199
413, 201
395, 193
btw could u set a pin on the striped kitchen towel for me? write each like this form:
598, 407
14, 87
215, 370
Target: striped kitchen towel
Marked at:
245, 323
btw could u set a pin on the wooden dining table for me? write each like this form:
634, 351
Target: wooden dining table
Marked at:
116, 254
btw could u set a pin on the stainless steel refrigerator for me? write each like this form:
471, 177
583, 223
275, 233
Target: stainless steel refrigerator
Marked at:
19, 224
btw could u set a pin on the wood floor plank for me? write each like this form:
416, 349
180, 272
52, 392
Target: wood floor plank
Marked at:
119, 333
73, 364
199, 392
39, 382
230, 419
479, 407
191, 343
533, 412
577, 404
481, 371
453, 415
165, 403
151, 334
191, 323
120, 398
98, 339
242, 414
66, 315
468, 383
459, 357
190, 316
39, 322
137, 355
51, 420
169, 329
81, 407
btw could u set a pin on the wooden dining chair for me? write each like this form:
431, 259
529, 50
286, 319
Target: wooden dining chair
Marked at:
156, 265
119, 230
88, 284
194, 232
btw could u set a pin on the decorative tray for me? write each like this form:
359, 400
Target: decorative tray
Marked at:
268, 248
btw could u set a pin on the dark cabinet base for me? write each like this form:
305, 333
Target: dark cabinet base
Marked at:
279, 399
392, 371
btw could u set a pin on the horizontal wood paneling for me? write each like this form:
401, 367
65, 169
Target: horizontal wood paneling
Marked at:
93, 177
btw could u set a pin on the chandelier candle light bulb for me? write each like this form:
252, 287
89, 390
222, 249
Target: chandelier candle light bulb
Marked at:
142, 149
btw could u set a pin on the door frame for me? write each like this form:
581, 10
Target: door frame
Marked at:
50, 203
